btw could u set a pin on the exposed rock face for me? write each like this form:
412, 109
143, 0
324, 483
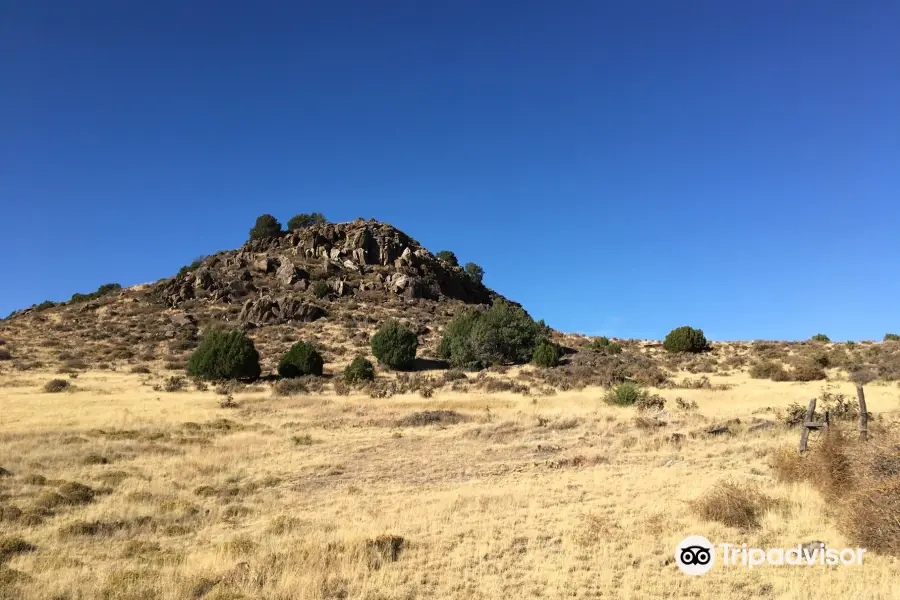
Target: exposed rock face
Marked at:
264, 265
288, 274
268, 311
360, 256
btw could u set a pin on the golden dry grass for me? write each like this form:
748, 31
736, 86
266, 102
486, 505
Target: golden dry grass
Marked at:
298, 496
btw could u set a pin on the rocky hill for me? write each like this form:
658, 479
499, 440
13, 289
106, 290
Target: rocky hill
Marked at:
331, 283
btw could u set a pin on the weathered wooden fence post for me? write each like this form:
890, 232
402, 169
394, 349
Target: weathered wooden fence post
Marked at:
804, 435
863, 414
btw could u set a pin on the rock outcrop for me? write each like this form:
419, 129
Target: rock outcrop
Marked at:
271, 311
360, 256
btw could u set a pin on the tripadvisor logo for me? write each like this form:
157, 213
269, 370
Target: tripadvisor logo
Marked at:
696, 555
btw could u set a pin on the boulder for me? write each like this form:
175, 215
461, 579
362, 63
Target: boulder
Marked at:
264, 265
204, 280
288, 274
183, 320
266, 310
291, 309
258, 310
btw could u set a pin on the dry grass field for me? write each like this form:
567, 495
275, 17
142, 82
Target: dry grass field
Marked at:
113, 490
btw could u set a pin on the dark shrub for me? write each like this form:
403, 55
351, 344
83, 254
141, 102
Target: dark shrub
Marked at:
195, 264
103, 290
224, 354
447, 257
769, 370
301, 359
10, 546
604, 345
500, 335
892, 337
320, 289
44, 305
56, 385
107, 288
651, 402
175, 383
395, 346
4, 354
474, 271
266, 226
455, 346
820, 337
686, 339
359, 370
305, 220
546, 355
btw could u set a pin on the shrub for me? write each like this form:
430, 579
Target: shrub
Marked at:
474, 271
44, 305
808, 371
448, 257
860, 481
625, 394
10, 546
224, 354
502, 334
603, 345
767, 369
195, 264
266, 226
820, 337
358, 371
395, 346
686, 406
305, 220
546, 355
686, 339
175, 383
103, 290
4, 354
301, 359
320, 289
839, 407
56, 385
650, 402
892, 337
734, 505
290, 387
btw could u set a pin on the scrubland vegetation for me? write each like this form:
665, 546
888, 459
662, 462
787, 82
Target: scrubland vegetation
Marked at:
368, 420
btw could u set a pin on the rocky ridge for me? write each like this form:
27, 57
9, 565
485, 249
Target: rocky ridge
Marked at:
273, 278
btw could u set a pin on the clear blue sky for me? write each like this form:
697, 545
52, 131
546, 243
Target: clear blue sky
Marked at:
618, 167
